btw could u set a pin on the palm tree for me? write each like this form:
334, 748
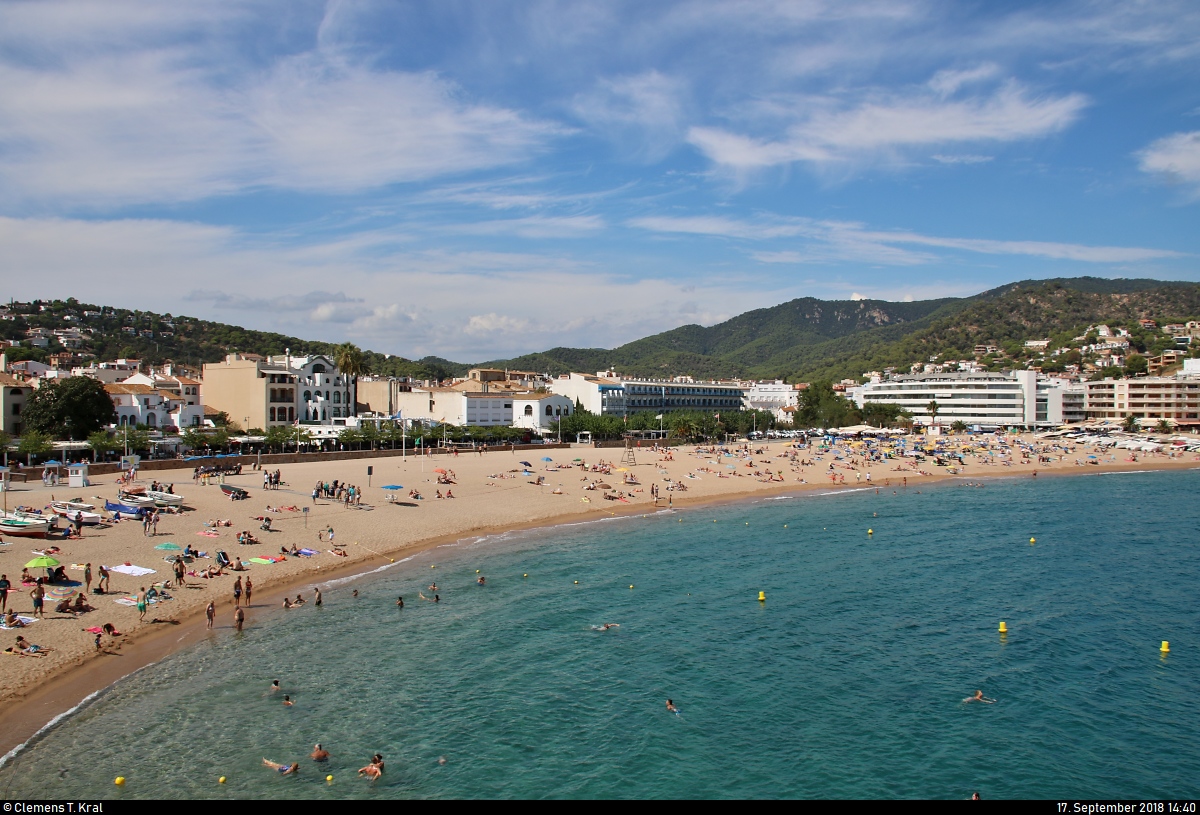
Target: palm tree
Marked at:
959, 426
1165, 426
350, 362
933, 407
1131, 423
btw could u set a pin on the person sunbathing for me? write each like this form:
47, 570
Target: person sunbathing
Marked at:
27, 647
64, 606
82, 605
11, 620
339, 552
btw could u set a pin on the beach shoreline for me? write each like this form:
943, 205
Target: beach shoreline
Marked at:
27, 707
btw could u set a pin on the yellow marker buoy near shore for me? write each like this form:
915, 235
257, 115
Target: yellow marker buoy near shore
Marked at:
1033, 540
1166, 647
525, 575
631, 585
576, 582
476, 571
119, 780
1003, 627
221, 780
762, 597
329, 779
870, 531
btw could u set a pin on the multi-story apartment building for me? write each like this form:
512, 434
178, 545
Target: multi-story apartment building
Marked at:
680, 393
1016, 399
1149, 399
269, 391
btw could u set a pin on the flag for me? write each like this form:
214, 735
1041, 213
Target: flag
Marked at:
659, 417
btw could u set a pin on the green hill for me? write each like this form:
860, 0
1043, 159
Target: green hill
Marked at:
804, 339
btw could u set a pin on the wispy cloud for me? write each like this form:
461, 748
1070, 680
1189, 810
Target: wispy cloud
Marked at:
1175, 158
825, 241
642, 114
888, 125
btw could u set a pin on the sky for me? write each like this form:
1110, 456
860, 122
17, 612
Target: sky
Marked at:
478, 180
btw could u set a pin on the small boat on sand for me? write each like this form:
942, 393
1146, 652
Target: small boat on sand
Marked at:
25, 527
123, 511
69, 509
165, 499
234, 493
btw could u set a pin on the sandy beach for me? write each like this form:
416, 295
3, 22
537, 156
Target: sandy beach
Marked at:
491, 493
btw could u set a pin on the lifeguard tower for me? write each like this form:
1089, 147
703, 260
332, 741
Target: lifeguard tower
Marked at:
77, 475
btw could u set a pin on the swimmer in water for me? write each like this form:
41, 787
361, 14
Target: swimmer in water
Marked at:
671, 707
399, 602
287, 701
274, 687
319, 753
481, 581
282, 769
606, 626
433, 587
979, 697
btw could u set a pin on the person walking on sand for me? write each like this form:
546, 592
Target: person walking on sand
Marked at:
141, 604
87, 579
4, 587
237, 592
210, 613
249, 589
38, 593
103, 585
154, 525
239, 618
317, 599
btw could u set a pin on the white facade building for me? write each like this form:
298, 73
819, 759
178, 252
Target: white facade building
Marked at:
540, 413
141, 404
1016, 399
661, 395
771, 395
600, 394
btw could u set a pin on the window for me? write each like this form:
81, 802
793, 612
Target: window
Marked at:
272, 414
308, 396
16, 409
291, 414
529, 410
337, 398
549, 410
318, 368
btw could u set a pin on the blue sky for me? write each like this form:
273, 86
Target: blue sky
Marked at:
483, 179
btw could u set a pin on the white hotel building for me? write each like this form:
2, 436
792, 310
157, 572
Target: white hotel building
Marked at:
1016, 399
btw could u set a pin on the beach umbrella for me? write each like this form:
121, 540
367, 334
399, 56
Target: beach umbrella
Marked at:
604, 486
60, 592
392, 487
622, 469
439, 470
547, 458
169, 547
42, 562
525, 463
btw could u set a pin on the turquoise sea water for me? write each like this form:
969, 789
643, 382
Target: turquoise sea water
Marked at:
847, 682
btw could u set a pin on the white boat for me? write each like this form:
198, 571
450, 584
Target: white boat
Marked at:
165, 499
69, 509
136, 499
29, 526
75, 504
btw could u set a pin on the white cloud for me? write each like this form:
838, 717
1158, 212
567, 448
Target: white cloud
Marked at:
167, 121
967, 158
1175, 157
826, 241
534, 227
947, 82
889, 125
517, 302
643, 114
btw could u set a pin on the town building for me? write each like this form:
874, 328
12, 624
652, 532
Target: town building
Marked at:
770, 395
378, 394
540, 412
167, 379
157, 409
1148, 398
264, 392
989, 400
14, 390
680, 393
602, 394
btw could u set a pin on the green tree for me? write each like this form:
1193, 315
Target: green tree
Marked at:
350, 362
279, 437
101, 442
1136, 364
33, 444
1165, 426
1131, 423
959, 426
73, 408
932, 409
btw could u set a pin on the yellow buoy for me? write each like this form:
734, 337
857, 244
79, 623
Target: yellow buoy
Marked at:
631, 585
762, 597
747, 523
1033, 540
525, 575
329, 778
870, 531
1166, 646
476, 571
576, 582
785, 526
432, 566
1003, 627
119, 780
221, 780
